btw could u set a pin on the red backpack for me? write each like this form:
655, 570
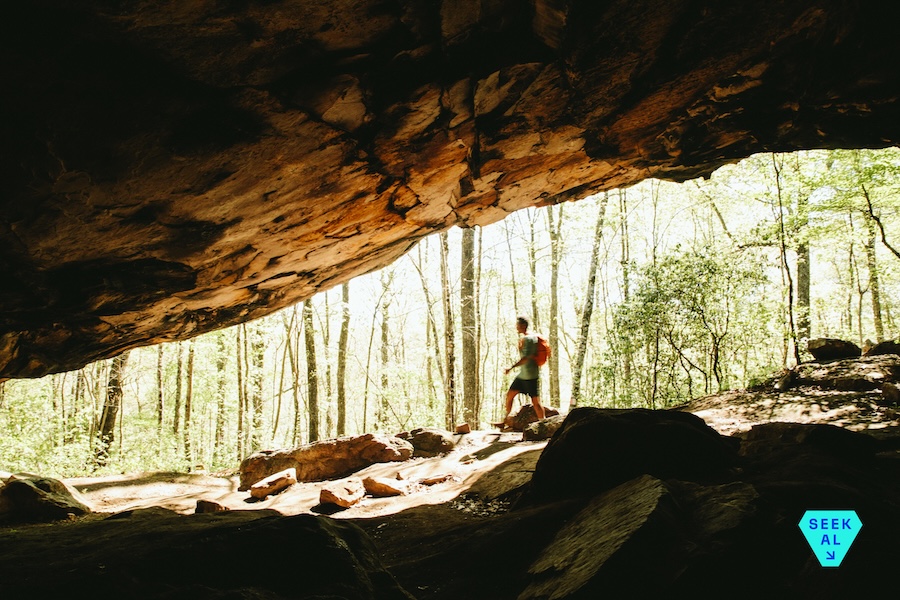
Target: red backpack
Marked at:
543, 350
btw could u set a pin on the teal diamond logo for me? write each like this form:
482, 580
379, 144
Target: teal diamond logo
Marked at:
830, 533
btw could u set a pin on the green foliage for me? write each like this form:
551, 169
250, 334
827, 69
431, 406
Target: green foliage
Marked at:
689, 312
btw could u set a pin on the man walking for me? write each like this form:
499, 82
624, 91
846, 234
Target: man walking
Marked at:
528, 379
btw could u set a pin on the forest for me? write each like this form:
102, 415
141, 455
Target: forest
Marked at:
650, 296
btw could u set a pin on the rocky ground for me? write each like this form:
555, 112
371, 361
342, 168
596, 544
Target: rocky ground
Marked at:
692, 514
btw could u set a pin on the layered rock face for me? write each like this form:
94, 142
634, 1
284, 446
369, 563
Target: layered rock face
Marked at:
170, 168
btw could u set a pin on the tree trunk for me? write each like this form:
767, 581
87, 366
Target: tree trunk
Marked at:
329, 389
532, 265
293, 359
625, 263
469, 341
255, 375
803, 271
221, 358
107, 426
384, 406
176, 418
512, 266
874, 285
312, 376
784, 262
450, 385
241, 400
588, 310
188, 400
159, 391
432, 338
478, 327
878, 222
77, 404
553, 334
342, 361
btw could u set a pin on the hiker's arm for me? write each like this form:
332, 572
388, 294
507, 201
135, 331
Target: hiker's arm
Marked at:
521, 362
524, 359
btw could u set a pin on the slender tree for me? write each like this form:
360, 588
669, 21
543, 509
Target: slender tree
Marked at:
106, 426
449, 338
342, 361
159, 391
786, 268
874, 284
241, 396
625, 265
433, 353
877, 220
188, 402
512, 265
554, 227
255, 372
221, 382
179, 365
385, 407
312, 373
469, 340
532, 266
804, 269
587, 310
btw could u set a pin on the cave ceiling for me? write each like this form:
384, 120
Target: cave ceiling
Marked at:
170, 167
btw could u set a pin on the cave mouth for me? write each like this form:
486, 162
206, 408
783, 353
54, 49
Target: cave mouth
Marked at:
710, 273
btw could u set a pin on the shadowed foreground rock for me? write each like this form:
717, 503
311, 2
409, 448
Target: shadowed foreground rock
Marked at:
234, 554
725, 524
596, 449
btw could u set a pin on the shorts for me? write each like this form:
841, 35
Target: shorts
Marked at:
530, 387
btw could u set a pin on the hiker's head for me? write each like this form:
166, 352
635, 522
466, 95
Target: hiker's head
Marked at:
522, 324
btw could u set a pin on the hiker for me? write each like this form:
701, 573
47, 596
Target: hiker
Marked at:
528, 380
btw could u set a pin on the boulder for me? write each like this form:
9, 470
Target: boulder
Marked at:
886, 347
382, 487
824, 349
273, 483
327, 459
429, 442
519, 419
596, 449
344, 493
860, 373
39, 499
891, 394
209, 506
543, 429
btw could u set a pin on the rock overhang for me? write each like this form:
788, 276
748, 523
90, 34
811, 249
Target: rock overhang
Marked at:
170, 169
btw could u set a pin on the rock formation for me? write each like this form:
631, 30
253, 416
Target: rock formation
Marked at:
325, 459
171, 168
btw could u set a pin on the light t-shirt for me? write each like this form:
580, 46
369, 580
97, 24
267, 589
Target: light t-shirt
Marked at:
528, 347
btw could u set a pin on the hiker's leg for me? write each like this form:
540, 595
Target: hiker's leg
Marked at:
538, 409
510, 396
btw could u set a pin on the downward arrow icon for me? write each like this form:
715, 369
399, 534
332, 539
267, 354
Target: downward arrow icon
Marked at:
829, 555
